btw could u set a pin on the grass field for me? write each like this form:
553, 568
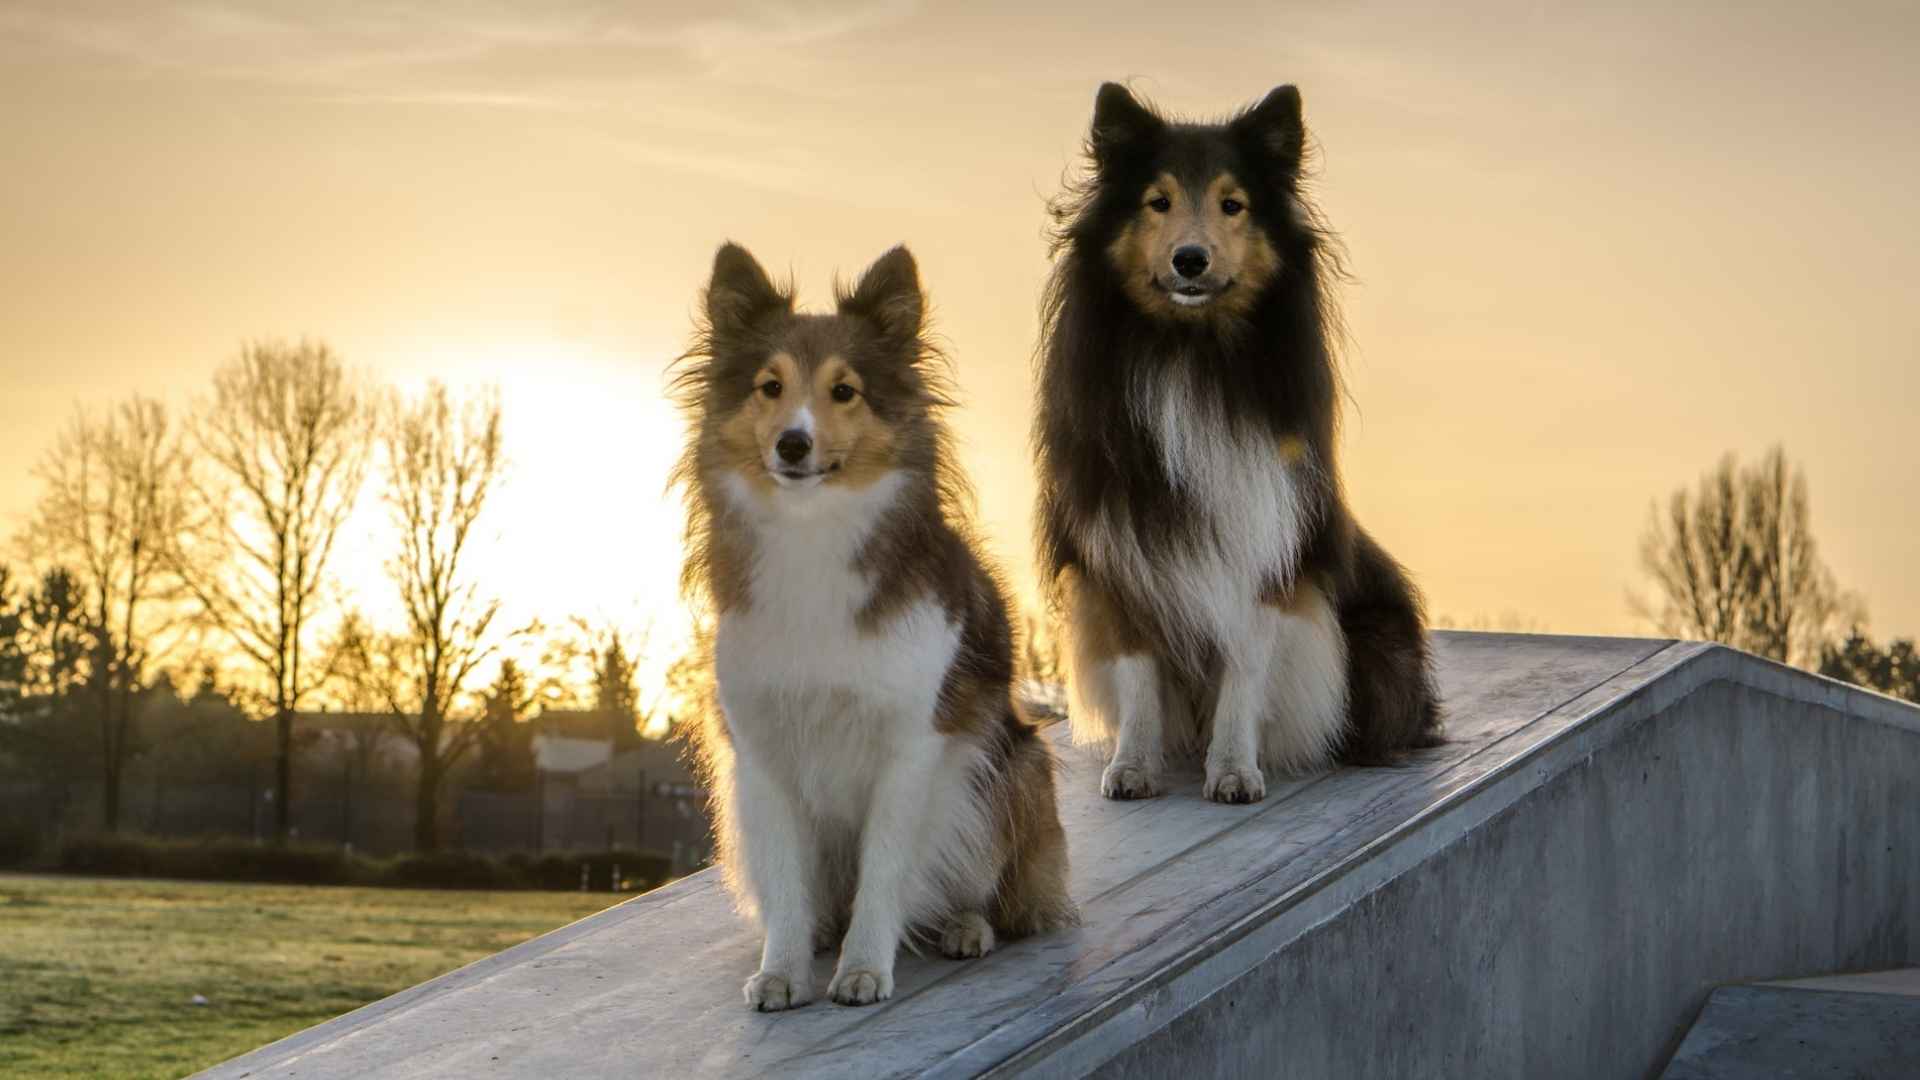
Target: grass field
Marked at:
98, 976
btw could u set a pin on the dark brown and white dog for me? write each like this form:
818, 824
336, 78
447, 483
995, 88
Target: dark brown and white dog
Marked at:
1218, 592
872, 775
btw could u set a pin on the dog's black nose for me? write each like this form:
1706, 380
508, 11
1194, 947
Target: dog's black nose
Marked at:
1190, 261
793, 446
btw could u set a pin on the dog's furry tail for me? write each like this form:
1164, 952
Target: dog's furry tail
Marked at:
1031, 895
1393, 704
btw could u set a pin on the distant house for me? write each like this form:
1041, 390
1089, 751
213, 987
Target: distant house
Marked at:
354, 781
667, 799
567, 755
649, 764
362, 736
599, 786
586, 724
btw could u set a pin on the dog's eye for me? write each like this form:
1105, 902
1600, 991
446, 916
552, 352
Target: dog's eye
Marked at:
842, 393
1231, 207
1160, 204
771, 388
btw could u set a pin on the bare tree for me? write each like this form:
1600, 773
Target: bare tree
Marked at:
360, 685
284, 442
1698, 562
1796, 605
112, 506
444, 460
1735, 562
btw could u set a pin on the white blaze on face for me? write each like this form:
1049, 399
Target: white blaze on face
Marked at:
802, 421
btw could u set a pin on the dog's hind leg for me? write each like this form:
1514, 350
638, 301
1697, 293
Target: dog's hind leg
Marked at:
1283, 696
966, 935
1116, 692
1307, 711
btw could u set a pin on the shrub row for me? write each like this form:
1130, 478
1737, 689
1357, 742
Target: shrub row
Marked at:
19, 844
243, 860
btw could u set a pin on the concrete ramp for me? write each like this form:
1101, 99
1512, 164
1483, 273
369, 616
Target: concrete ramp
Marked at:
1617, 827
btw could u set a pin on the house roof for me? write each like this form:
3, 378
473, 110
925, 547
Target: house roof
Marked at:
565, 754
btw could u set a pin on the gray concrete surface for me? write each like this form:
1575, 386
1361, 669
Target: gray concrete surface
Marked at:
1775, 1033
1616, 827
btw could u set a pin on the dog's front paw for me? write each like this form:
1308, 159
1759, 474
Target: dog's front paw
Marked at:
1235, 784
860, 986
967, 935
770, 991
1128, 780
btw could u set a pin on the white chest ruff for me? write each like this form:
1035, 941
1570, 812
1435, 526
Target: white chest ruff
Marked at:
1254, 513
814, 700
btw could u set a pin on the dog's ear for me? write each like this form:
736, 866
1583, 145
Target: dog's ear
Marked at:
741, 293
1276, 127
888, 296
1119, 122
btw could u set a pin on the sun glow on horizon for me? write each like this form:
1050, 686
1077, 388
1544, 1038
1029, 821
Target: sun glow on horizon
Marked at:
581, 525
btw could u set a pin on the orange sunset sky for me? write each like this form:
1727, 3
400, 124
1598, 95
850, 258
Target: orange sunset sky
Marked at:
1592, 250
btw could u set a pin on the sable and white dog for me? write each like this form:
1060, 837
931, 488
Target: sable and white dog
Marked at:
1220, 594
872, 775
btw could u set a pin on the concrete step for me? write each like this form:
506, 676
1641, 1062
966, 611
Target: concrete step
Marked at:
1616, 827
1861, 1027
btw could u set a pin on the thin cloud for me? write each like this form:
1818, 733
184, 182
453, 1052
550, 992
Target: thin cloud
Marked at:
456, 99
404, 53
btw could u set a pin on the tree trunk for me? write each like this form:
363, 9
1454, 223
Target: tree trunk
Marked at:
426, 807
118, 746
109, 759
283, 779
110, 796
346, 801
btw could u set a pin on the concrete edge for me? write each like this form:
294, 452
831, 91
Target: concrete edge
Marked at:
1895, 982
1664, 678
291, 1047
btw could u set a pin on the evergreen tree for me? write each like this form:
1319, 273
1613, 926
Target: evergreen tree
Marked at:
614, 695
54, 659
1894, 670
13, 649
506, 740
